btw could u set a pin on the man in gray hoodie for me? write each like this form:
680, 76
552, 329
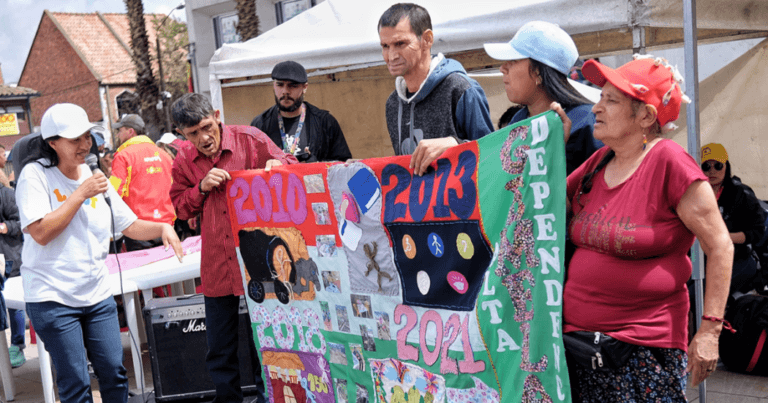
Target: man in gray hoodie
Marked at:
435, 104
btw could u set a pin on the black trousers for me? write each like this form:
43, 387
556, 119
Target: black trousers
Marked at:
221, 322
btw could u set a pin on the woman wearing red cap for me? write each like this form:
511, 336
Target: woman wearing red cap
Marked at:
741, 212
637, 205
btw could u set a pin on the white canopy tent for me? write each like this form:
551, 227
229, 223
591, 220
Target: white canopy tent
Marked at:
341, 35
732, 105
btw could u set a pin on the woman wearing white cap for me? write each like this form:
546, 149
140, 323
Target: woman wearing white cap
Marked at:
67, 225
536, 65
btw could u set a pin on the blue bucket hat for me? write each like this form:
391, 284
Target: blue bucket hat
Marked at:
541, 41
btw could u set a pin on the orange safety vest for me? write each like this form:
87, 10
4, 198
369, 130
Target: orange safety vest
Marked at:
141, 174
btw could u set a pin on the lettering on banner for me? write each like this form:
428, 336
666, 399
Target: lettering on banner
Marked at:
446, 334
293, 323
522, 244
421, 190
289, 207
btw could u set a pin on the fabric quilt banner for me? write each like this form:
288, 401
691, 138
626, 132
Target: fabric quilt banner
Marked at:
367, 283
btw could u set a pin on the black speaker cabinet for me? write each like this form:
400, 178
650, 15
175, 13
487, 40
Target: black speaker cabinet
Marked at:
177, 348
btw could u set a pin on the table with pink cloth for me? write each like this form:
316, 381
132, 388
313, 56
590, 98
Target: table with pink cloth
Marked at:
157, 266
150, 268
132, 260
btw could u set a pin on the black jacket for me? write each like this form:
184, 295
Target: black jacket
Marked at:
742, 213
326, 140
10, 242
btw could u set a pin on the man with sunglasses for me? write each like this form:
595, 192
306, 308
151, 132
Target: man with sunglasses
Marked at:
741, 212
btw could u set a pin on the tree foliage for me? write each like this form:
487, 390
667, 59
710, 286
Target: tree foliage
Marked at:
247, 20
174, 40
146, 86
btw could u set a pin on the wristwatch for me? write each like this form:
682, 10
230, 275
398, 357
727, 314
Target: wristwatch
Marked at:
200, 188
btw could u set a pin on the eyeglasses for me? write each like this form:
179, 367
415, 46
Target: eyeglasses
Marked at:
708, 165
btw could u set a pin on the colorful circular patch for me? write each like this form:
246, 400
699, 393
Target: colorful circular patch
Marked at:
435, 244
409, 247
465, 246
423, 282
458, 282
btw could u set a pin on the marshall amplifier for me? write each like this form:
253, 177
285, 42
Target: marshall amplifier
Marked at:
178, 345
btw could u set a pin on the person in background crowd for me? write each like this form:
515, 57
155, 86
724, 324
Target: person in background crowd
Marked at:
740, 210
98, 137
298, 127
199, 173
507, 116
167, 143
537, 61
106, 162
4, 180
24, 150
171, 145
576, 75
637, 205
67, 223
141, 174
10, 248
435, 105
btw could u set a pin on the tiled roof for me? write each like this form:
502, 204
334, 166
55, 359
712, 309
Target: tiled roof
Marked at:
8, 91
102, 39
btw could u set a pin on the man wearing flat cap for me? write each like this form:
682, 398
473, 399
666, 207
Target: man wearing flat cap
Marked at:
297, 127
141, 174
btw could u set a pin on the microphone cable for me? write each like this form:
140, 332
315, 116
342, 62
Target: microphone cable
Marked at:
93, 164
125, 306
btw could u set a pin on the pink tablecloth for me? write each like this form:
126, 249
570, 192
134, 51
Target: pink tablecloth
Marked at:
132, 260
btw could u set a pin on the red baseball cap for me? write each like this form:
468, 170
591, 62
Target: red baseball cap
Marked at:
649, 80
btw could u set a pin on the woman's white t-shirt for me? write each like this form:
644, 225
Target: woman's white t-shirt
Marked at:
71, 268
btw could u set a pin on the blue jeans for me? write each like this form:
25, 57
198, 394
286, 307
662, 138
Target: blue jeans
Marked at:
16, 317
67, 332
221, 321
18, 327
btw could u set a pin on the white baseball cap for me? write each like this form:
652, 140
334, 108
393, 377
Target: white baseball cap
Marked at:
167, 138
66, 120
541, 41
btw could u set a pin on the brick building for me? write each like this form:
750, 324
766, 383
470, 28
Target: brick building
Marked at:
84, 59
14, 112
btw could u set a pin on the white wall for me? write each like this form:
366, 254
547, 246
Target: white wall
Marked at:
200, 14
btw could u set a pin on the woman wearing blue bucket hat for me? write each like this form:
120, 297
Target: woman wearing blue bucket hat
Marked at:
536, 65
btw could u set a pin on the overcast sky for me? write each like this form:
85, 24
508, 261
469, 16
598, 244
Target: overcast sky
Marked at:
19, 20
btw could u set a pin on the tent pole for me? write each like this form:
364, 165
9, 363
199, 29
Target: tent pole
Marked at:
694, 148
638, 40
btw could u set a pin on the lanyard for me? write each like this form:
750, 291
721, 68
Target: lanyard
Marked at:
291, 143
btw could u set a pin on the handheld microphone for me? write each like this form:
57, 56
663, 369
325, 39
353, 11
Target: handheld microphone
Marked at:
93, 163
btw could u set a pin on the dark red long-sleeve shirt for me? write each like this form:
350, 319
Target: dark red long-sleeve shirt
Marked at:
242, 147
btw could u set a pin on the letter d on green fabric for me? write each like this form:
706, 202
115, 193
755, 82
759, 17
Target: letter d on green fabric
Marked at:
521, 182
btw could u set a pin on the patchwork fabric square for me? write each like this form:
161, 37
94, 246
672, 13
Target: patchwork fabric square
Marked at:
441, 264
